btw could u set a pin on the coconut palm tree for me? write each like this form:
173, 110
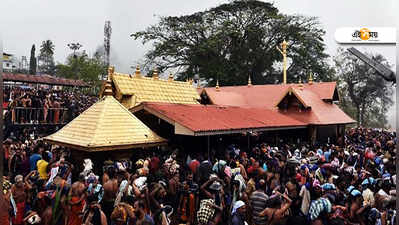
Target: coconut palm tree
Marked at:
46, 56
47, 47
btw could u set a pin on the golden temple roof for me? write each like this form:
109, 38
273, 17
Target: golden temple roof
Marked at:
131, 90
107, 125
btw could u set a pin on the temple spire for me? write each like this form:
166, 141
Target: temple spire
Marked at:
249, 81
300, 83
310, 80
217, 85
138, 72
155, 74
170, 78
108, 85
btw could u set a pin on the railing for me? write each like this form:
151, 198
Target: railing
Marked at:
25, 115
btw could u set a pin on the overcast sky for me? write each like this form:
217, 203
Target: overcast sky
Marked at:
63, 22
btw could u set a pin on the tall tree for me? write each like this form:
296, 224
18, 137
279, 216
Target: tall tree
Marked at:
32, 60
90, 68
46, 57
364, 95
237, 39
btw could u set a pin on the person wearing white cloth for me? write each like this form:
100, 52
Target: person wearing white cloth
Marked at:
238, 213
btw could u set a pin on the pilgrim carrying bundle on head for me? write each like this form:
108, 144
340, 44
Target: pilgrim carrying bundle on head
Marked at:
140, 183
88, 167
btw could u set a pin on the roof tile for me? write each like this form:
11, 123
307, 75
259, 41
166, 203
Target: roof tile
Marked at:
42, 79
146, 89
205, 118
268, 96
107, 125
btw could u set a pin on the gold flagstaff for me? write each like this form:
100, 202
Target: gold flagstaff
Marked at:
283, 52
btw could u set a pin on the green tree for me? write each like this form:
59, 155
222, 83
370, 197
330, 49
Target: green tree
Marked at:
32, 60
89, 69
65, 71
364, 95
46, 57
234, 40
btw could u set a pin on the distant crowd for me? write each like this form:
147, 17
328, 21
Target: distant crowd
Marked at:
28, 105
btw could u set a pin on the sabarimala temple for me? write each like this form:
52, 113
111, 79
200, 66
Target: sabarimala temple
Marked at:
135, 111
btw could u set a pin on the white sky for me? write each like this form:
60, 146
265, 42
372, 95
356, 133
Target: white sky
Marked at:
30, 22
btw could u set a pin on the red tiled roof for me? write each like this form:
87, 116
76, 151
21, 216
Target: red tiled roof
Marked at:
263, 95
325, 90
303, 97
320, 112
326, 115
268, 97
203, 119
43, 79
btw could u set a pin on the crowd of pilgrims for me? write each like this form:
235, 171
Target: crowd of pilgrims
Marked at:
42, 106
266, 185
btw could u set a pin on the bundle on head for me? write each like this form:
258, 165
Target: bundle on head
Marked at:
88, 167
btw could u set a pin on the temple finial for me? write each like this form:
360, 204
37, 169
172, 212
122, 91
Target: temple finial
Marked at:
111, 70
310, 81
217, 85
108, 85
300, 83
171, 77
138, 72
249, 81
155, 74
